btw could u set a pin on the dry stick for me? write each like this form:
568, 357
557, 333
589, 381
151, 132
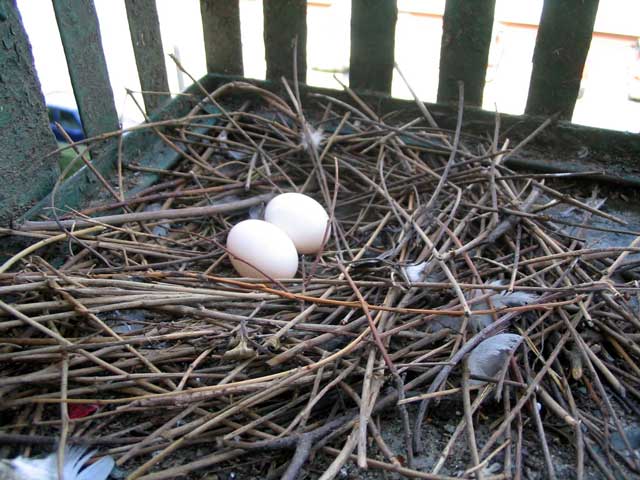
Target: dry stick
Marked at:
181, 213
211, 98
456, 139
207, 461
168, 141
373, 427
436, 254
142, 126
83, 311
65, 342
589, 362
344, 420
156, 434
468, 417
579, 438
274, 340
64, 415
288, 377
341, 458
382, 445
385, 355
516, 258
248, 427
446, 451
90, 166
537, 420
43, 243
192, 367
143, 197
421, 106
526, 395
572, 201
591, 359
444, 373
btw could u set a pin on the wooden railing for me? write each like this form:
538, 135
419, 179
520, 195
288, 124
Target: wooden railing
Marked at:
561, 48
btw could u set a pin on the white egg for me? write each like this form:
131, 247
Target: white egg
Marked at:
302, 218
255, 243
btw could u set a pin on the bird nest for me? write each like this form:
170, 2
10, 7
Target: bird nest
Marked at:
450, 286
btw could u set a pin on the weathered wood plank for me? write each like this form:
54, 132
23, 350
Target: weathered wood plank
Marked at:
80, 34
285, 22
373, 32
464, 52
222, 37
26, 138
144, 28
561, 49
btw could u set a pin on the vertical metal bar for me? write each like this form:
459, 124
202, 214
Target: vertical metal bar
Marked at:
26, 137
464, 52
285, 22
561, 50
144, 28
222, 37
373, 31
80, 34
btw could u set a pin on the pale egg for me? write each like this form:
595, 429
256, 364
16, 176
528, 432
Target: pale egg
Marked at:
302, 218
255, 243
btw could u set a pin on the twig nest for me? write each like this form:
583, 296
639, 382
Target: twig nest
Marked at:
259, 249
490, 356
302, 218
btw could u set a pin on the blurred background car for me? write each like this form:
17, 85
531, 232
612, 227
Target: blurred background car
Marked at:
63, 111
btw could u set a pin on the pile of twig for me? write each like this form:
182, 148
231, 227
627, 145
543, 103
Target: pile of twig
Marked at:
123, 326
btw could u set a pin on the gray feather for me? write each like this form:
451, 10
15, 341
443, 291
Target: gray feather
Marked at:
480, 321
490, 356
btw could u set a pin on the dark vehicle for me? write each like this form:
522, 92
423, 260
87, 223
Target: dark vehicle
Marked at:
68, 118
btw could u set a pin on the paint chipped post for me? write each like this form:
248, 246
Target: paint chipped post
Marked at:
26, 139
466, 38
562, 45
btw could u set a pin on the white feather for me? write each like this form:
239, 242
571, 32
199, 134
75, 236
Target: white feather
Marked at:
99, 470
311, 138
415, 273
75, 459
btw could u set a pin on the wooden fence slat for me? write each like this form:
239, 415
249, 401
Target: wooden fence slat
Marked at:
26, 138
80, 34
285, 21
561, 49
144, 28
373, 31
464, 52
222, 37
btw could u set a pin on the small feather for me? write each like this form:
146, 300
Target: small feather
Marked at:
311, 138
477, 321
513, 299
99, 470
488, 358
75, 459
414, 273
